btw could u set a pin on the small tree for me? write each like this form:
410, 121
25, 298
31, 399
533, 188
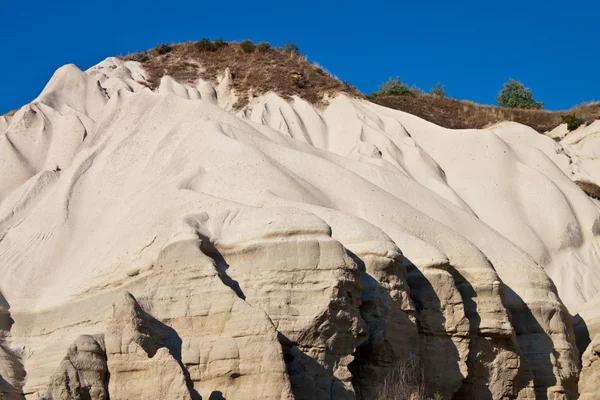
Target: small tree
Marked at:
291, 48
163, 48
515, 95
572, 121
395, 87
141, 56
247, 46
220, 43
263, 46
438, 90
205, 44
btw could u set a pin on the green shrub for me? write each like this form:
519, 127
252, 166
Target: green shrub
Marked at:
515, 95
291, 48
247, 46
572, 121
163, 48
438, 90
395, 87
263, 46
205, 44
219, 43
141, 56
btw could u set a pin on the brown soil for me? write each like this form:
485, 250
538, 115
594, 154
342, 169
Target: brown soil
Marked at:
258, 72
460, 114
288, 74
591, 189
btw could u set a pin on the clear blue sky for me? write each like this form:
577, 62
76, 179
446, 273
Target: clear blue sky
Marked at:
472, 47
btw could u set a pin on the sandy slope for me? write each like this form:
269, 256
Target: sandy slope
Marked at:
284, 250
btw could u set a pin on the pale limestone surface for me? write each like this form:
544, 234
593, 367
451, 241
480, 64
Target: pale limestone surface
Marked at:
83, 373
589, 386
587, 329
184, 251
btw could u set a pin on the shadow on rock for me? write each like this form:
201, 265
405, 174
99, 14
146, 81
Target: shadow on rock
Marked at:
392, 334
11, 385
438, 350
222, 266
309, 379
538, 351
216, 395
582, 334
169, 338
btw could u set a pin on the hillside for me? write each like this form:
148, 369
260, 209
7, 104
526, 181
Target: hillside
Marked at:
288, 73
285, 72
239, 225
460, 114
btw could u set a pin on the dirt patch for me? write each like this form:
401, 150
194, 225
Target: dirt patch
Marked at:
460, 114
288, 73
591, 189
256, 73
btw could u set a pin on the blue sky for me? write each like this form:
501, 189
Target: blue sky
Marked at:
472, 47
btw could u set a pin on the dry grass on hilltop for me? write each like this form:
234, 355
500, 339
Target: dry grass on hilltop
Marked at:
266, 69
288, 73
258, 72
460, 114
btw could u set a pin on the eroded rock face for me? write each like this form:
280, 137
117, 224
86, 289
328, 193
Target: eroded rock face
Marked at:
589, 386
136, 355
386, 308
83, 374
314, 300
183, 252
12, 373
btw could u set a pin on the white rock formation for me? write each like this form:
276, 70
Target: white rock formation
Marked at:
161, 245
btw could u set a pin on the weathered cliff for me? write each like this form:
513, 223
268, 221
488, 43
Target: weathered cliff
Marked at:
158, 244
